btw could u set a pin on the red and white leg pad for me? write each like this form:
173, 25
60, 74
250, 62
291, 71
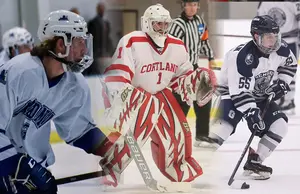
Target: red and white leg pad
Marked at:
116, 155
171, 142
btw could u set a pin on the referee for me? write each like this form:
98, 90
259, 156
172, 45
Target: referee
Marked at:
192, 30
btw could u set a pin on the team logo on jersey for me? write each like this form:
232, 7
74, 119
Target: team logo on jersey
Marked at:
159, 66
36, 112
278, 15
262, 81
249, 59
200, 28
3, 76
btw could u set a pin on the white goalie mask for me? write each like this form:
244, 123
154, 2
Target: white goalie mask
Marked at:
156, 22
73, 29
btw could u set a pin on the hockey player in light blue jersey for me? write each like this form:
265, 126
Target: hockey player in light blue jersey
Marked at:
46, 84
15, 41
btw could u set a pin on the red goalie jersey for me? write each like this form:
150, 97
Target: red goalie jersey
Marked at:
137, 61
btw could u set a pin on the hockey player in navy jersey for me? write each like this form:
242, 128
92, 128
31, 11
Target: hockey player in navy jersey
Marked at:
245, 84
43, 85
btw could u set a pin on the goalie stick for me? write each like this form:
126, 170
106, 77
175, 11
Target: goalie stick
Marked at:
144, 170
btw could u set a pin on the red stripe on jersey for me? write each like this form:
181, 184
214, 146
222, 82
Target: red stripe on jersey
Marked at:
120, 67
116, 79
175, 41
147, 39
136, 39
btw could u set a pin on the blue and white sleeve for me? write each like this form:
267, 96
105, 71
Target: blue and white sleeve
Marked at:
76, 125
8, 99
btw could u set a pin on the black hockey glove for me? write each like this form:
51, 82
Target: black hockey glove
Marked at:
29, 177
279, 89
254, 121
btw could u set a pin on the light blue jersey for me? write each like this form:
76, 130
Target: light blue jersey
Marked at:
3, 58
28, 103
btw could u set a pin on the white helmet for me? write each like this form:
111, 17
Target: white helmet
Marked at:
67, 25
16, 37
156, 22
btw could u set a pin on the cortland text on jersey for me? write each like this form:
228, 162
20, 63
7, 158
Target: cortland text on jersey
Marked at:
159, 66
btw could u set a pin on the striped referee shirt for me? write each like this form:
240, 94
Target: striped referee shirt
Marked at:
194, 34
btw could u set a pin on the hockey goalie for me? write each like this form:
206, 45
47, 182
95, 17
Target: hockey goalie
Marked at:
150, 65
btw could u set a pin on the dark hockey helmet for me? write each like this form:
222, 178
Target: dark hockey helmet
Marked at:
183, 2
266, 33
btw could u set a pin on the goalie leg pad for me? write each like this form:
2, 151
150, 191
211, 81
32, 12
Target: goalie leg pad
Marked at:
117, 155
172, 143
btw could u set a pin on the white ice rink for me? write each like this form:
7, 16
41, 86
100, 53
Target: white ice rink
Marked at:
217, 167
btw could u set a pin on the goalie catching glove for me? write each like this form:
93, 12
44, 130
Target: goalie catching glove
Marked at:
198, 86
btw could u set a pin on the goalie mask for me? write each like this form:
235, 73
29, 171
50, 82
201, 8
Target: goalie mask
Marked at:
266, 34
72, 28
156, 22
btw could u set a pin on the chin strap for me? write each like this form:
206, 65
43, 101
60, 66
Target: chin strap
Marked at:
62, 60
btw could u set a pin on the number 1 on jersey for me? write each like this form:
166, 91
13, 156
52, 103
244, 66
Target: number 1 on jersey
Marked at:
159, 78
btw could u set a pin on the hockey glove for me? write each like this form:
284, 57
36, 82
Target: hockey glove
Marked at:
29, 177
254, 121
198, 86
278, 89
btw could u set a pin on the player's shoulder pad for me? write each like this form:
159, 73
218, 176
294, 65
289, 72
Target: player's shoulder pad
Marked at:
284, 50
135, 36
79, 81
246, 59
78, 87
174, 40
26, 67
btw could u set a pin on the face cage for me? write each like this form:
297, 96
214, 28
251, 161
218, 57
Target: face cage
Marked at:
85, 62
267, 50
165, 30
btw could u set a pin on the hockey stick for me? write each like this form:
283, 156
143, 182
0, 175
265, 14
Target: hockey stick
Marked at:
79, 177
231, 179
